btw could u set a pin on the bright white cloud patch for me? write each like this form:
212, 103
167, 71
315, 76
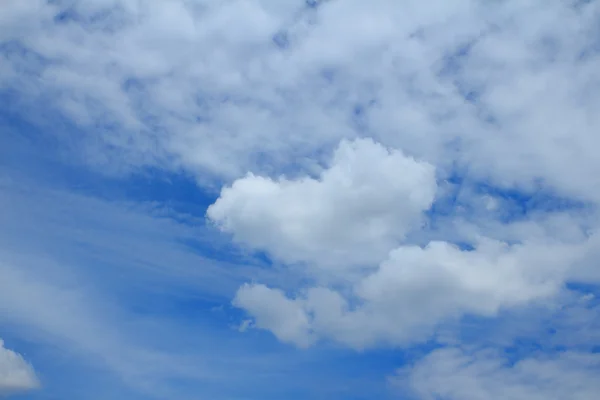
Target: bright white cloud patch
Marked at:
440, 278
354, 213
272, 310
16, 375
458, 374
412, 291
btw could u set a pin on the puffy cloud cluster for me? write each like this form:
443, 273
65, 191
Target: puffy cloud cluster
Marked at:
412, 292
358, 212
354, 213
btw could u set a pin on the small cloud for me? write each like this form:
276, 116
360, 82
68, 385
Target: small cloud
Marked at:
587, 297
273, 311
16, 374
217, 309
245, 325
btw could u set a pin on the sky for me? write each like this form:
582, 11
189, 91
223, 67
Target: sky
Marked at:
319, 199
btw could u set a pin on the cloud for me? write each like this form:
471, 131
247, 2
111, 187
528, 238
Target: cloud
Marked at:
544, 351
460, 374
272, 310
425, 103
16, 374
504, 89
358, 209
404, 291
412, 292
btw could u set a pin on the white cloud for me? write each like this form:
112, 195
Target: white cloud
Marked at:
459, 374
354, 213
441, 279
272, 310
504, 92
16, 374
201, 85
413, 291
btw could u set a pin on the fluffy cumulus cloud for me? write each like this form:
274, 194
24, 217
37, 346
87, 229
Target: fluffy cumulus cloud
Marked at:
460, 374
358, 209
412, 291
16, 375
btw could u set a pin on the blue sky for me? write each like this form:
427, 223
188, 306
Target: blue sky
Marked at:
257, 199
